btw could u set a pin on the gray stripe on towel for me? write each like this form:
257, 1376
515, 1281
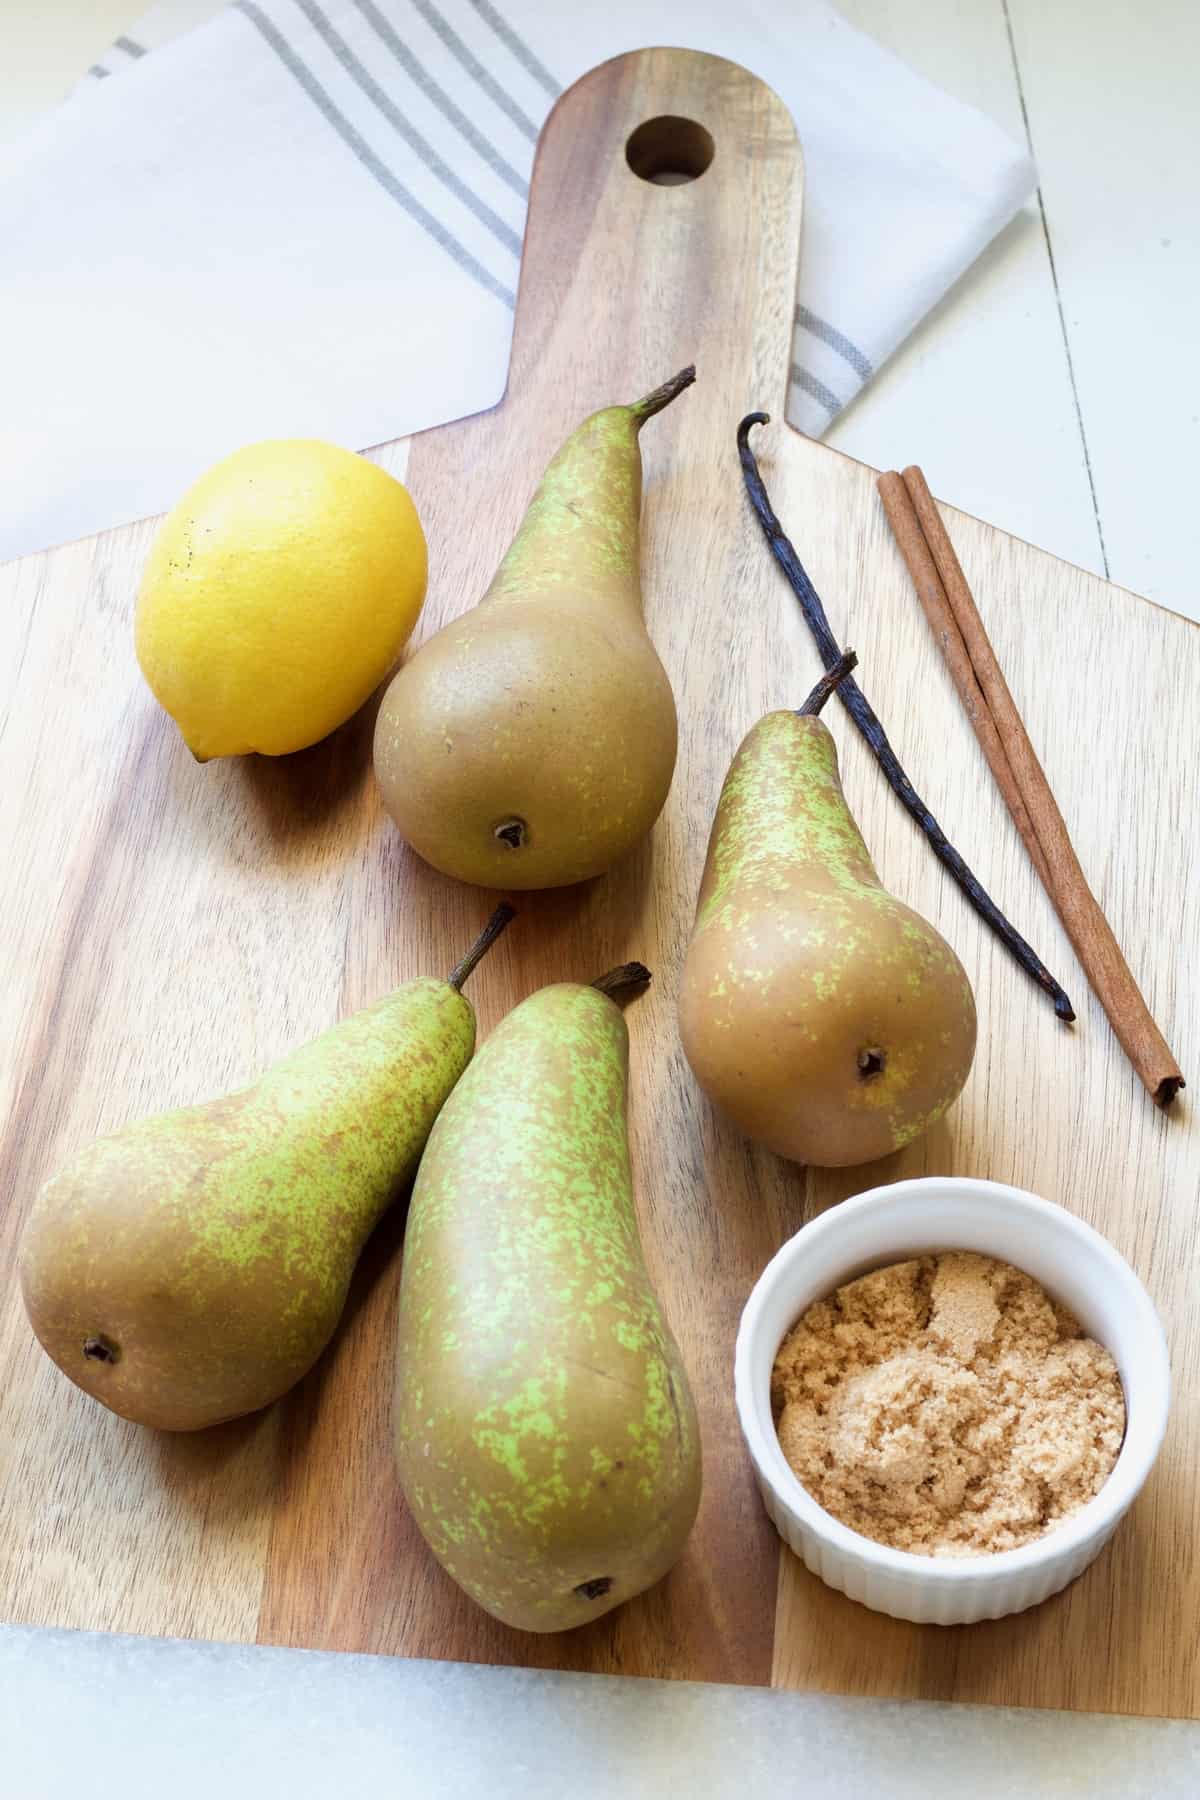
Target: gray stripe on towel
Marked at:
475, 68
518, 46
359, 73
837, 340
363, 151
421, 77
823, 395
130, 48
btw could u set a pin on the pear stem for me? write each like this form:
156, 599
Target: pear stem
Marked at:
628, 975
868, 722
663, 396
828, 684
483, 943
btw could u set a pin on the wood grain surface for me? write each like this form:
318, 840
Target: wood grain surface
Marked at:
172, 928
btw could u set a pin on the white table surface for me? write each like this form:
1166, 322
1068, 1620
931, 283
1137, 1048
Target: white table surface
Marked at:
153, 1718
1056, 390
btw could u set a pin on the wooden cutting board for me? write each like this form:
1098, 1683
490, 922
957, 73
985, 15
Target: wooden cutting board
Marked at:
172, 928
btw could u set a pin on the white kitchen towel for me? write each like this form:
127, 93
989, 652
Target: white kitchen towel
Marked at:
304, 217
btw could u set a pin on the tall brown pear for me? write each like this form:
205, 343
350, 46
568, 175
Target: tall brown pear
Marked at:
531, 742
830, 1021
545, 1432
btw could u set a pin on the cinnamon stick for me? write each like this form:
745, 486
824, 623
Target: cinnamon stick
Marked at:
906, 528
993, 713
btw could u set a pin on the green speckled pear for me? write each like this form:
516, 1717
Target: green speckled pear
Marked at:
192, 1267
531, 742
830, 1021
545, 1432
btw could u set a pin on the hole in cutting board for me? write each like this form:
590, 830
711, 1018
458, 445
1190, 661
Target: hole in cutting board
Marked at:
669, 151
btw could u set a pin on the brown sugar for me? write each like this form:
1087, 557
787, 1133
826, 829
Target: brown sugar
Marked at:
947, 1406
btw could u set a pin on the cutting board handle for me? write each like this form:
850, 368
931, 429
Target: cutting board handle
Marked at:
663, 228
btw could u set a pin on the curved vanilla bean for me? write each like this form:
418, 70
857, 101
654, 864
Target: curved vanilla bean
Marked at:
867, 720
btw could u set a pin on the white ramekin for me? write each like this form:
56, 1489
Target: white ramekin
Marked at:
1075, 1264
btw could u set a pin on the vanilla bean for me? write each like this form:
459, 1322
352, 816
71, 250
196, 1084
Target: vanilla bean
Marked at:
867, 721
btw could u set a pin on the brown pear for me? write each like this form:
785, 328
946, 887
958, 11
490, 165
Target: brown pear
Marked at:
531, 742
828, 1019
193, 1266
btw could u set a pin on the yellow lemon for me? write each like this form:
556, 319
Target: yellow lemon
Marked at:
279, 592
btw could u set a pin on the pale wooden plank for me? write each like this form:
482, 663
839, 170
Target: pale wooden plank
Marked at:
980, 394
1111, 93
